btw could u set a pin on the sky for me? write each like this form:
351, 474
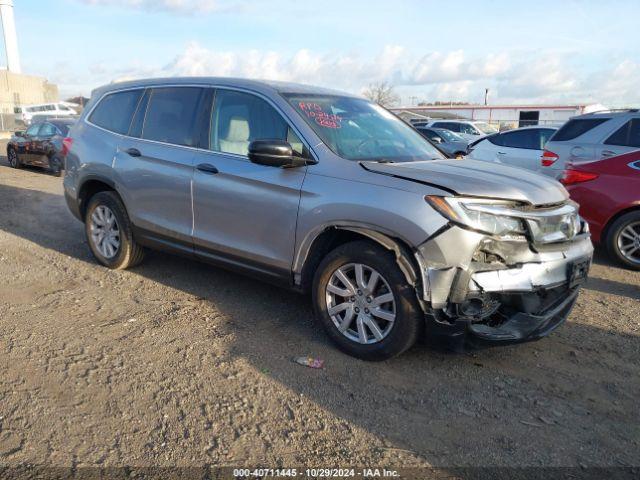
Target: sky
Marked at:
534, 51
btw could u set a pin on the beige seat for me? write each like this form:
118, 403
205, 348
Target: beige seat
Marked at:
237, 139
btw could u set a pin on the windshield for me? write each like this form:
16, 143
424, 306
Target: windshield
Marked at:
449, 136
357, 129
485, 128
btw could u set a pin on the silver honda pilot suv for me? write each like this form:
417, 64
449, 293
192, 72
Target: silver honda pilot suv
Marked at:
328, 193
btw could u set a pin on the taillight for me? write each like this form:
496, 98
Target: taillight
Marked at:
66, 145
571, 177
548, 158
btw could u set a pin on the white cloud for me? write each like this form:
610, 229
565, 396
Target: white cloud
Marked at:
511, 76
174, 6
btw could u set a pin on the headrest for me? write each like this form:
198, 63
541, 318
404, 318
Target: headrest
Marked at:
238, 130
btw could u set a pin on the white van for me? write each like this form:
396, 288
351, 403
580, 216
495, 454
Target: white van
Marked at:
25, 113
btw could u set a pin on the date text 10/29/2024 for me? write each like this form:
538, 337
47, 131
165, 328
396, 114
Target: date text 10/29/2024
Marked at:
240, 473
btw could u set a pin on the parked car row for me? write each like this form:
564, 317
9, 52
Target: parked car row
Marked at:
590, 155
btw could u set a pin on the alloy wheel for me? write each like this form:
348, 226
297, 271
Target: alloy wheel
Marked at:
629, 242
360, 303
105, 234
13, 158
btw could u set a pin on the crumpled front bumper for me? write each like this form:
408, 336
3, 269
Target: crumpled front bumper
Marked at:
529, 289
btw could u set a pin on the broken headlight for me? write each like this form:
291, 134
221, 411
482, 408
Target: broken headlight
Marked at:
489, 216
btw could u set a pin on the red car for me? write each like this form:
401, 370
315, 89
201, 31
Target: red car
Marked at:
608, 192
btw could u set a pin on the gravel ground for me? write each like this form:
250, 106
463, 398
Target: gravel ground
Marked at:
176, 363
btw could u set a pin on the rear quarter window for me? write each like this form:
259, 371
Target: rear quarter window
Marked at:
115, 110
574, 128
627, 136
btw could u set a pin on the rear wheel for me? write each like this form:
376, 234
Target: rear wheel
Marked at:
623, 240
364, 302
109, 234
14, 161
55, 166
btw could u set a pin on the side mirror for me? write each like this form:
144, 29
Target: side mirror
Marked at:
437, 140
274, 153
19, 133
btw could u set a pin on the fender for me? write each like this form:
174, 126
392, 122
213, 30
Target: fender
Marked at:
89, 178
385, 239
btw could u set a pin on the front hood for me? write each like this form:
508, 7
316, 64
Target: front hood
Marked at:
477, 179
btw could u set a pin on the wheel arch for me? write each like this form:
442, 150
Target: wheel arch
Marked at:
331, 237
90, 186
611, 221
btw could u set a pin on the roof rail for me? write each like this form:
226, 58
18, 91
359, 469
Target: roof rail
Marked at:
614, 110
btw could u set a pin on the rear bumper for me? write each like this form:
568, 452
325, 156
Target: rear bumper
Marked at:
72, 202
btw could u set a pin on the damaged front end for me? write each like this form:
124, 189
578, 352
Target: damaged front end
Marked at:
501, 271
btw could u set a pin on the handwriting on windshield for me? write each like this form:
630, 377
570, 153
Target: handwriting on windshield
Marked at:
322, 118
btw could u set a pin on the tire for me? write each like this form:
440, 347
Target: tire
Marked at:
128, 253
619, 235
55, 166
12, 157
399, 335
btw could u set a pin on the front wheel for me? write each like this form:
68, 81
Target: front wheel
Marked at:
364, 302
623, 240
109, 234
14, 161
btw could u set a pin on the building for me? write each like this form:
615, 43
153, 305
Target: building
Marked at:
505, 116
17, 89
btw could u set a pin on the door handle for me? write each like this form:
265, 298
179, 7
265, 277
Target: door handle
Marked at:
207, 168
502, 153
608, 153
134, 152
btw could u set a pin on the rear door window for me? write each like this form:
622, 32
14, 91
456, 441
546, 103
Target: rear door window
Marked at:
454, 127
496, 139
63, 127
430, 134
576, 127
173, 115
115, 110
529, 139
626, 136
468, 129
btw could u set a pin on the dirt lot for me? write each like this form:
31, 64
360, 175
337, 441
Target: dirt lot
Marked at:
178, 363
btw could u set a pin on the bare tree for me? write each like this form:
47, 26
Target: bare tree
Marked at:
382, 93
